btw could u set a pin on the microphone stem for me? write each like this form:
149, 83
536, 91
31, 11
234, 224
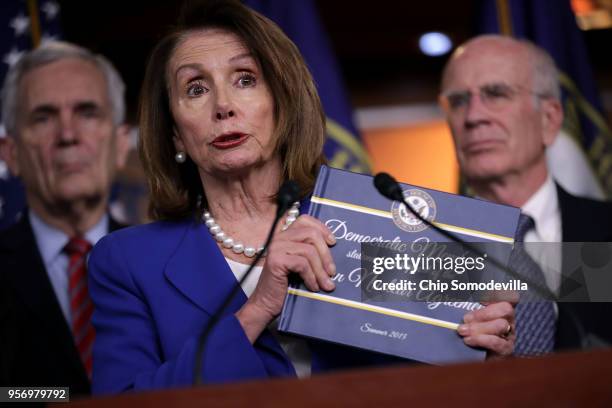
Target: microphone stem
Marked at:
542, 291
203, 338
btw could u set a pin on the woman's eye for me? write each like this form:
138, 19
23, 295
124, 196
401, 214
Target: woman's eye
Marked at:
196, 89
246, 80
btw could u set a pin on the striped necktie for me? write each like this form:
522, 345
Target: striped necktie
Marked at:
535, 318
81, 307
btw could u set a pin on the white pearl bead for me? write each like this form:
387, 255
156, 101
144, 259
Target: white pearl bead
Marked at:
228, 242
240, 248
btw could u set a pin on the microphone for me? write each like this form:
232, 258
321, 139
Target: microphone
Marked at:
288, 193
390, 188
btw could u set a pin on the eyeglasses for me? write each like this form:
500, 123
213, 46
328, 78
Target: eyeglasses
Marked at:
495, 97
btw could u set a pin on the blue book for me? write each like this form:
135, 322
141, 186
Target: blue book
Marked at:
350, 206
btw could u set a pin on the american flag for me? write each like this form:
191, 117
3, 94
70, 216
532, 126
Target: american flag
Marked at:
24, 24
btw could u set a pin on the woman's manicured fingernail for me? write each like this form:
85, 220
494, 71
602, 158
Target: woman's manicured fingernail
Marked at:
331, 268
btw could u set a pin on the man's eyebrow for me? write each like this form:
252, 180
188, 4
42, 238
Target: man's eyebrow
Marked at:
497, 83
87, 105
52, 109
44, 108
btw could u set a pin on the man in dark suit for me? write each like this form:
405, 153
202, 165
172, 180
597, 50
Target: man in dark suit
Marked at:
63, 109
503, 105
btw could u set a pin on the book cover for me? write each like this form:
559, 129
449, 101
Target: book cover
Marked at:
355, 212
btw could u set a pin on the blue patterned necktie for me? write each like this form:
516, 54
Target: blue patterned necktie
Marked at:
535, 318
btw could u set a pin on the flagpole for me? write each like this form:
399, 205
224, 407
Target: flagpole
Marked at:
504, 18
34, 23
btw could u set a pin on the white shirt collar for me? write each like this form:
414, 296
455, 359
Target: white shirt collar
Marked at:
51, 241
543, 207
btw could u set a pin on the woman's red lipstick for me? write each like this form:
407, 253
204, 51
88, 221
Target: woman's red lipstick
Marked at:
229, 140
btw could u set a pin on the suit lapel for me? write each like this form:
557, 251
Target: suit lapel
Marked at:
584, 220
569, 224
29, 280
200, 272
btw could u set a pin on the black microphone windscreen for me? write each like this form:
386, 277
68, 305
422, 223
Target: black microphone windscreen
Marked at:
288, 193
388, 186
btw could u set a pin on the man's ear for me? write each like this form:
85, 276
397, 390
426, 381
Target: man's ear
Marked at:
8, 154
122, 144
552, 119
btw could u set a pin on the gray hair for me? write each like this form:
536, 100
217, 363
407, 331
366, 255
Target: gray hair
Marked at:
545, 72
47, 53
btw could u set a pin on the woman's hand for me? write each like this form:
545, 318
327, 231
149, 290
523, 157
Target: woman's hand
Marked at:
303, 249
492, 328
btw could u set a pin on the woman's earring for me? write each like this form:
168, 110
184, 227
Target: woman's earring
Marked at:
180, 157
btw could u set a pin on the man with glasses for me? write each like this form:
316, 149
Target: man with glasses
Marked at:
502, 100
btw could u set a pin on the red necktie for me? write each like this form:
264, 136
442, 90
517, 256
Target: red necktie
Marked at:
81, 307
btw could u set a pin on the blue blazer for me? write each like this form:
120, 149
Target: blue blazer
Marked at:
154, 288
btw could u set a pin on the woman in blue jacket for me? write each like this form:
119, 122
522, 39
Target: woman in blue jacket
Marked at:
229, 111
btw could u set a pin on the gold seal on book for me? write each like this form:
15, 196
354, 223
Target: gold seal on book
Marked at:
421, 202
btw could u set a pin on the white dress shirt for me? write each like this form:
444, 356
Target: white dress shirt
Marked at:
51, 242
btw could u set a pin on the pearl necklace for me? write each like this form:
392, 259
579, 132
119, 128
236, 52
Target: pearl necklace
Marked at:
238, 247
